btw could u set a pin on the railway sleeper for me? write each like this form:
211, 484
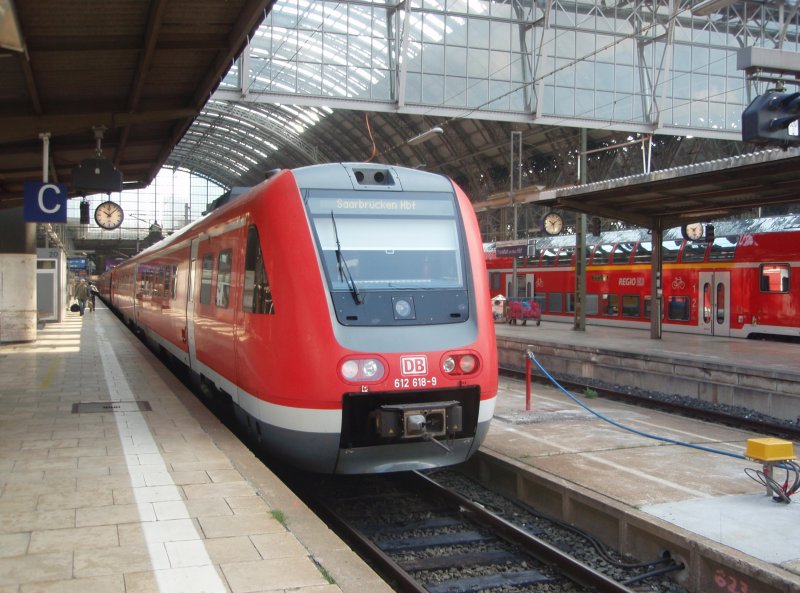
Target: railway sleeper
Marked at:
428, 541
492, 581
462, 560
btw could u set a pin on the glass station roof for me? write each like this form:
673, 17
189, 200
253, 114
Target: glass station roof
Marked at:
300, 91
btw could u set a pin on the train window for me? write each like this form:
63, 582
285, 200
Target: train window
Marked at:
602, 253
723, 248
205, 279
670, 250
495, 281
643, 253
622, 254
565, 256
224, 278
174, 289
775, 277
693, 251
630, 305
549, 257
569, 301
257, 293
380, 241
678, 308
648, 306
720, 302
555, 302
592, 304
167, 281
706, 302
540, 298
610, 305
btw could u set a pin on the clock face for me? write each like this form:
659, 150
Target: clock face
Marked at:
692, 232
108, 215
552, 223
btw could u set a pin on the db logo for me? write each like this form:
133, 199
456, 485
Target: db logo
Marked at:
414, 365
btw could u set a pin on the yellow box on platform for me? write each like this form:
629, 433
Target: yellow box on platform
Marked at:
769, 449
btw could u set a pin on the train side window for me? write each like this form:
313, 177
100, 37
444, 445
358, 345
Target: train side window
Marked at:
257, 293
693, 251
224, 278
622, 253
592, 304
723, 248
610, 304
167, 281
565, 256
670, 250
205, 279
174, 289
494, 280
549, 257
648, 306
602, 254
555, 302
678, 308
630, 305
643, 253
775, 278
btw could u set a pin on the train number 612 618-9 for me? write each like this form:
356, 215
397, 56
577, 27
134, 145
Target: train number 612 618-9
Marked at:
413, 383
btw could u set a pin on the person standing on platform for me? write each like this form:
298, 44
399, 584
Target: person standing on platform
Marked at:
92, 295
83, 294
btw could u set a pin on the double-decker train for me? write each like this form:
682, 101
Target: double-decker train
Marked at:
344, 310
745, 282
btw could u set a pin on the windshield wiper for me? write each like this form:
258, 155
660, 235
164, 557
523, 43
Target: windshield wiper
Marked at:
344, 271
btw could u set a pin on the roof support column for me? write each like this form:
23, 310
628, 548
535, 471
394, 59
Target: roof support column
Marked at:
579, 323
655, 276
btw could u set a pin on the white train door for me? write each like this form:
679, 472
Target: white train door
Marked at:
525, 286
714, 312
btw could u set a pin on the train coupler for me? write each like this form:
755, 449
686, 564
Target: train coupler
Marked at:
426, 421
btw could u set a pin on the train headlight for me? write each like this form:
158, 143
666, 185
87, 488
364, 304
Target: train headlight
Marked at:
467, 364
458, 364
358, 370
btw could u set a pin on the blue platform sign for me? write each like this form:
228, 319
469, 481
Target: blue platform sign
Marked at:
45, 202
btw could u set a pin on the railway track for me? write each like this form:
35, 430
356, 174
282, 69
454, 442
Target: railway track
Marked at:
679, 405
425, 537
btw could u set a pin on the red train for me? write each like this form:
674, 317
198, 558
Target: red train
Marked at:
743, 283
342, 308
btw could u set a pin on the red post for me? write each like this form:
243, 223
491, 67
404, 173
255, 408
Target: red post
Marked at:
527, 383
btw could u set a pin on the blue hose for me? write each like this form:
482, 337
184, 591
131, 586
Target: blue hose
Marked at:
629, 429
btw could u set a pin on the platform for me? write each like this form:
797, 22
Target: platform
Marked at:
114, 478
759, 375
695, 500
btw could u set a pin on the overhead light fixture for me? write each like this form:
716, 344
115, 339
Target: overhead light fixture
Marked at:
10, 33
706, 7
425, 136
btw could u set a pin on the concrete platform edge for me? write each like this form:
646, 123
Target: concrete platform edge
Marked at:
712, 566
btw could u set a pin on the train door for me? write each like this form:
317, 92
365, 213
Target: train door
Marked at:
190, 303
524, 286
715, 303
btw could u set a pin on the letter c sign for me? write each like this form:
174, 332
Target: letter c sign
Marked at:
45, 202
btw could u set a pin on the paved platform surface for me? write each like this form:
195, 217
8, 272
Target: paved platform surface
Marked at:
705, 493
126, 500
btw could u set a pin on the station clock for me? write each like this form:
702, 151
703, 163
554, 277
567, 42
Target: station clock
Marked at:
552, 223
108, 215
693, 231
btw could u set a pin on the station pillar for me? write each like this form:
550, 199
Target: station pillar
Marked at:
18, 322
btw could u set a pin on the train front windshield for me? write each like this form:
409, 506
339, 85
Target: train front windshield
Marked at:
388, 241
